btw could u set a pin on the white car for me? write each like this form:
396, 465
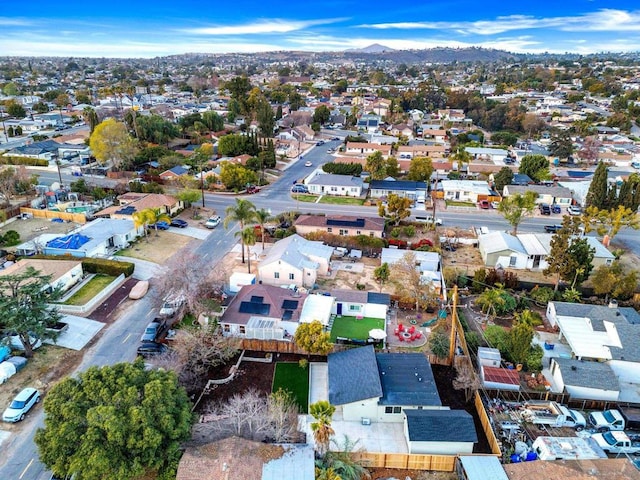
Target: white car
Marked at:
574, 210
308, 164
213, 222
20, 405
429, 219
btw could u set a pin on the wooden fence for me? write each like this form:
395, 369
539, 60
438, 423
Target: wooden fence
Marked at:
275, 346
49, 214
407, 461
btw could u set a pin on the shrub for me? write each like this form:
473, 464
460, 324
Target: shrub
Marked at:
10, 239
303, 363
360, 286
395, 233
473, 340
33, 162
409, 231
398, 243
534, 359
107, 267
498, 338
510, 280
479, 278
542, 295
492, 277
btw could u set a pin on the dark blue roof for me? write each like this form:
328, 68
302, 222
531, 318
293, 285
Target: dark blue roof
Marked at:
579, 173
521, 179
440, 426
407, 379
379, 298
404, 185
353, 376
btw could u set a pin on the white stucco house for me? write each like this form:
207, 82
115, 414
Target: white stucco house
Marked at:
466, 190
339, 185
584, 380
295, 261
64, 273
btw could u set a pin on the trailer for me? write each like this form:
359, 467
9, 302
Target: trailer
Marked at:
552, 414
567, 448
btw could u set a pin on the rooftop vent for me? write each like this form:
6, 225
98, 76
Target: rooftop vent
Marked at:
613, 303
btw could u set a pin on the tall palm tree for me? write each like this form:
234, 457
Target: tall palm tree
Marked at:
322, 411
262, 217
248, 237
141, 219
242, 212
155, 215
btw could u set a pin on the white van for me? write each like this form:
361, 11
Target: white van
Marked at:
171, 304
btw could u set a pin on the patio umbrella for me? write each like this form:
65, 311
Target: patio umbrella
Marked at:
378, 334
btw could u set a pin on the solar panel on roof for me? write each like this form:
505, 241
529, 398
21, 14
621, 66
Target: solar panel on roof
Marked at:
289, 304
257, 299
358, 222
287, 314
254, 308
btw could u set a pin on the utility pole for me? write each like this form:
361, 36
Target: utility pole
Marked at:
454, 325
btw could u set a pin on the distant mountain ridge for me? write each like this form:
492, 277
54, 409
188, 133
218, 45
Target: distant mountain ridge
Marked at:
374, 48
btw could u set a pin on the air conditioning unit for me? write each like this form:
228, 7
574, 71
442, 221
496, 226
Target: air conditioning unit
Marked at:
366, 421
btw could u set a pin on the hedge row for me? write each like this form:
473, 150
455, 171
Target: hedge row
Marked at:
107, 267
33, 162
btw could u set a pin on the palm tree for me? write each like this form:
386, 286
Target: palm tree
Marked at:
322, 411
262, 217
248, 237
242, 212
141, 219
342, 463
155, 215
490, 299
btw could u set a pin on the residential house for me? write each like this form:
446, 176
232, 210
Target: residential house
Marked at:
603, 469
402, 129
529, 250
369, 123
355, 303
340, 225
295, 261
132, 202
546, 194
332, 184
584, 380
43, 150
491, 154
466, 190
64, 273
174, 172
358, 148
438, 135
407, 152
381, 107
401, 188
263, 312
236, 457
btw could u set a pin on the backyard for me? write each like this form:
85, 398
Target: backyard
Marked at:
156, 248
89, 289
291, 377
354, 327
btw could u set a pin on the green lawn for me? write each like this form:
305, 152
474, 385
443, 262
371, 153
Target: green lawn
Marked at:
455, 203
341, 200
350, 327
90, 289
303, 197
289, 376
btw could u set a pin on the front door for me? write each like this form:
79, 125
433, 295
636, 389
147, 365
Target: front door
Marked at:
339, 309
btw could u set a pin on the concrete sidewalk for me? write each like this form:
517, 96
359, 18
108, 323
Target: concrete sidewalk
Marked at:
144, 269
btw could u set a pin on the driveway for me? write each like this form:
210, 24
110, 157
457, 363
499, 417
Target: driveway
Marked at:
192, 232
144, 269
78, 334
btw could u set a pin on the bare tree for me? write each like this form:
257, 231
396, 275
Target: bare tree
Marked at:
466, 378
283, 417
409, 282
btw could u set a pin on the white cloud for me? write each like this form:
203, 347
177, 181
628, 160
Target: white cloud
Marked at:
13, 22
259, 27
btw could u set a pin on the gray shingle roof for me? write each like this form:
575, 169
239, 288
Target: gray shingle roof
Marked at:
296, 250
353, 376
440, 426
407, 379
336, 180
587, 374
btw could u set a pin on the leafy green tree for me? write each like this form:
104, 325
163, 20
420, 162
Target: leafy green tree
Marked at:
261, 217
154, 129
504, 138
313, 339
120, 421
189, 196
110, 142
502, 178
570, 256
236, 177
515, 208
597, 196
10, 89
321, 114
420, 169
243, 212
439, 344
520, 337
265, 117
376, 166
213, 121
239, 88
91, 118
397, 208
14, 109
24, 303
535, 166
561, 145
233, 145
40, 107
609, 222
497, 337
381, 274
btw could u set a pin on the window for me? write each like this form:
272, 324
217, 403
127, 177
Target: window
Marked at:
358, 232
397, 409
334, 189
344, 232
371, 234
393, 410
292, 276
276, 274
512, 261
388, 409
354, 308
243, 330
329, 229
227, 327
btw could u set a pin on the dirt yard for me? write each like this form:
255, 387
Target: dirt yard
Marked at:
30, 229
157, 248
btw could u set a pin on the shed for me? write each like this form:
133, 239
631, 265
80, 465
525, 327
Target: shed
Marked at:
485, 467
443, 432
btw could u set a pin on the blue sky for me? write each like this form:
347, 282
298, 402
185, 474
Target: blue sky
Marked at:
145, 28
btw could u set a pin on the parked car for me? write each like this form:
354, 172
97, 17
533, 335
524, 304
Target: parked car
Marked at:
5, 352
176, 222
552, 228
21, 404
213, 222
148, 349
484, 204
495, 205
160, 226
298, 188
545, 209
152, 331
308, 164
252, 189
556, 208
319, 143
574, 210
429, 219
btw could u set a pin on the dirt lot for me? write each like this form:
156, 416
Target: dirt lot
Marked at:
49, 364
157, 248
30, 229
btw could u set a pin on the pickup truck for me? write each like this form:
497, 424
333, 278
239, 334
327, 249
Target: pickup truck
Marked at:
607, 421
616, 442
552, 228
553, 414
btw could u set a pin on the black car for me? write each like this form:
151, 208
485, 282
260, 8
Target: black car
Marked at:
552, 228
148, 349
176, 222
545, 209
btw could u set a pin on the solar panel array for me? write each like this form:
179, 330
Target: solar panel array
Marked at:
254, 308
287, 315
128, 210
289, 304
358, 222
257, 299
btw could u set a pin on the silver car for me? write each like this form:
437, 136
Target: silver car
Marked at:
21, 404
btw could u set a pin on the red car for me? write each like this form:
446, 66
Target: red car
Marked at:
252, 189
484, 204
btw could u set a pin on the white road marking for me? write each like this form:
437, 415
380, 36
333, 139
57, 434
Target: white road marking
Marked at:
26, 468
